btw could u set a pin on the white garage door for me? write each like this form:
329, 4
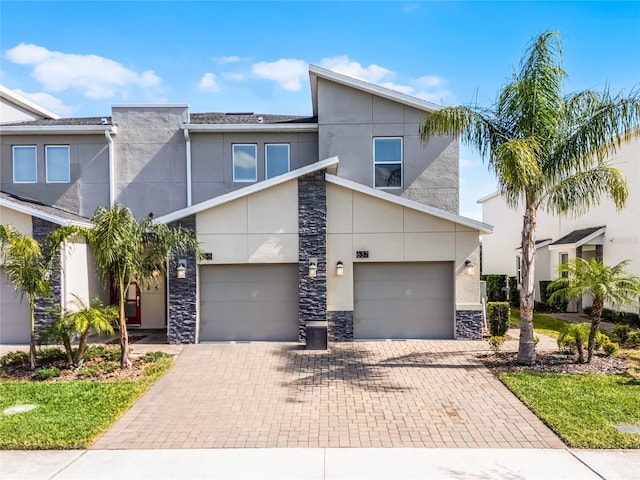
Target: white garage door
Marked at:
403, 300
249, 302
14, 315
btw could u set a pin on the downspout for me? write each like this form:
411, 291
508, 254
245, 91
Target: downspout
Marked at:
112, 180
188, 144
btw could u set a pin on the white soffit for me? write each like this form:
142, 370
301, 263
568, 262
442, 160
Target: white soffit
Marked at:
404, 202
329, 163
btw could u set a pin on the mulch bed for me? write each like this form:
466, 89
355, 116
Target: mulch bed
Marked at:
132, 339
554, 362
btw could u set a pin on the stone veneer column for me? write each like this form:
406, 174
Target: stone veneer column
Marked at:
312, 234
468, 325
183, 318
42, 228
340, 325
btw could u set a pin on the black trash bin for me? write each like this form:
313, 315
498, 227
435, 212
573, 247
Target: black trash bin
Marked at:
317, 335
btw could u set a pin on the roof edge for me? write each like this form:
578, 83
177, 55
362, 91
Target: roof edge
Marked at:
26, 103
405, 202
243, 192
34, 212
488, 197
57, 129
249, 127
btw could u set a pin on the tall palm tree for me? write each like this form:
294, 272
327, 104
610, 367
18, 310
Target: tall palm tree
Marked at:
28, 265
127, 250
548, 150
606, 284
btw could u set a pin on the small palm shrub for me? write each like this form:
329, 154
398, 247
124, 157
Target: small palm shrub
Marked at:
45, 373
495, 342
634, 338
575, 337
14, 359
622, 332
610, 348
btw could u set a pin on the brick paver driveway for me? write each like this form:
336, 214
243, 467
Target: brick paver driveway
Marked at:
373, 394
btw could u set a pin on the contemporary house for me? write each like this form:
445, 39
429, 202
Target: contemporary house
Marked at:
342, 217
602, 233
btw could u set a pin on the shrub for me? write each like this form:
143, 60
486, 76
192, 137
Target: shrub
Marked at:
110, 367
634, 338
151, 357
498, 316
608, 315
46, 373
50, 355
622, 332
514, 293
601, 339
15, 359
545, 293
575, 337
495, 342
91, 371
610, 348
495, 284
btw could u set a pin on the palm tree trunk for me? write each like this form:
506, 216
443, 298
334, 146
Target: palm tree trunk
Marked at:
82, 347
526, 348
596, 315
32, 337
124, 336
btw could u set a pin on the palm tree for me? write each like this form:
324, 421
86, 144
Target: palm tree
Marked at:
606, 284
28, 265
127, 250
546, 149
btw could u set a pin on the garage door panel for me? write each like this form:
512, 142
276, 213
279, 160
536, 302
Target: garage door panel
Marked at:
249, 302
403, 300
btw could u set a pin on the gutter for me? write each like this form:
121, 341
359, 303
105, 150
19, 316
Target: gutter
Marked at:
112, 180
188, 147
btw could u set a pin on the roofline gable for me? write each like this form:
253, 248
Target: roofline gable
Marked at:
329, 163
34, 212
413, 205
316, 72
25, 103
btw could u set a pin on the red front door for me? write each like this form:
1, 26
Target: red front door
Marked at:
131, 303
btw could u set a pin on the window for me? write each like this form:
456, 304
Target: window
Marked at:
276, 159
564, 259
518, 270
58, 164
387, 162
25, 165
245, 163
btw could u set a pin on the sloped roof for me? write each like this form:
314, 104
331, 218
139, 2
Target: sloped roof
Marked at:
45, 212
247, 118
25, 103
61, 121
579, 237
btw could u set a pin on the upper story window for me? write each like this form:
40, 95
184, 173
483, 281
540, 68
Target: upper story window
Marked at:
58, 164
387, 162
276, 159
25, 165
245, 162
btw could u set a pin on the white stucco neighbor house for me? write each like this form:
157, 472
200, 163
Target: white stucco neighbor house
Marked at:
343, 217
603, 232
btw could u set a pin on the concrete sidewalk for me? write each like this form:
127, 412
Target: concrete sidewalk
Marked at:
322, 464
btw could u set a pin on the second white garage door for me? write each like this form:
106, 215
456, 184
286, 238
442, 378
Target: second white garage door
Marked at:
249, 302
403, 300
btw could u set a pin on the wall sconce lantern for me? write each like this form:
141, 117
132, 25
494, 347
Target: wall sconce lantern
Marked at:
313, 267
469, 267
339, 269
181, 271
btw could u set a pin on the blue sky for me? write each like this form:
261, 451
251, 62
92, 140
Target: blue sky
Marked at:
79, 58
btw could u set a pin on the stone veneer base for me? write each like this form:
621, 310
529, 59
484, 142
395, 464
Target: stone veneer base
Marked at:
340, 325
468, 325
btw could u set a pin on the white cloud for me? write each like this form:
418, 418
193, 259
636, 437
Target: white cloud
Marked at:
373, 73
49, 102
235, 76
95, 76
287, 72
229, 59
429, 81
209, 83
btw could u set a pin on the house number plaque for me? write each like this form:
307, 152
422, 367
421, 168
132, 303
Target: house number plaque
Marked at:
362, 253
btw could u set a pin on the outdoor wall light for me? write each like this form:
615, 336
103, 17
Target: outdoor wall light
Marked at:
181, 271
313, 267
469, 267
339, 269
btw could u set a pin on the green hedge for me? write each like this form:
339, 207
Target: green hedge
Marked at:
498, 316
495, 283
514, 292
613, 316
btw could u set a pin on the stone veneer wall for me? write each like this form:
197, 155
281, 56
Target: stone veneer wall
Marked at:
183, 299
312, 234
340, 325
42, 228
468, 325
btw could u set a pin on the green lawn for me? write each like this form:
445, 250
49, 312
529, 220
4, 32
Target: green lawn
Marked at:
69, 414
582, 409
541, 323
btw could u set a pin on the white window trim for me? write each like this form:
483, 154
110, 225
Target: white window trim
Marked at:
401, 163
233, 163
13, 162
266, 157
46, 163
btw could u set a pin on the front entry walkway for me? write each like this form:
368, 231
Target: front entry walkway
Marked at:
369, 394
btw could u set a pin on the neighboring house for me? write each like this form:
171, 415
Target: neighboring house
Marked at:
16, 108
341, 217
602, 233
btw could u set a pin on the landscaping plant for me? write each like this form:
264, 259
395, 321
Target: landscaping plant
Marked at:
498, 316
547, 149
